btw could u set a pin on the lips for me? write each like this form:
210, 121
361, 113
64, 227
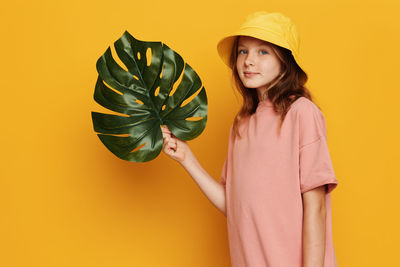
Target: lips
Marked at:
249, 74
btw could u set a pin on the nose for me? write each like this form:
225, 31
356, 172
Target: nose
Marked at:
250, 59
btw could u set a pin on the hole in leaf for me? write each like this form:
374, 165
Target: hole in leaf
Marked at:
190, 98
136, 77
148, 56
117, 59
162, 69
139, 102
138, 55
176, 84
194, 118
139, 147
117, 135
163, 107
104, 110
109, 87
120, 135
157, 91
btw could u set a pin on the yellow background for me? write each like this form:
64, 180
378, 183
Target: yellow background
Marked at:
65, 200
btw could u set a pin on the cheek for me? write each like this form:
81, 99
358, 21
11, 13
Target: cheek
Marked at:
272, 68
277, 65
238, 63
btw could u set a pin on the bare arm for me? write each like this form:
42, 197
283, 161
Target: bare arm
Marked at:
213, 190
314, 223
180, 151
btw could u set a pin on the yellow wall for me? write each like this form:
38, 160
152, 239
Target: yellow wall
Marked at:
65, 200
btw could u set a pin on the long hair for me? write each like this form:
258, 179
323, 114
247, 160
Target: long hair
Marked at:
288, 86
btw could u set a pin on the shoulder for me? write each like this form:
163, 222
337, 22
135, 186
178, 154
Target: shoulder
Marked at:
309, 119
304, 108
303, 104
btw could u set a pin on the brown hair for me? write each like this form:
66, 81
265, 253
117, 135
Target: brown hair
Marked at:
282, 91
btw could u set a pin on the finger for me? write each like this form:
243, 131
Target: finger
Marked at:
168, 149
165, 144
171, 150
166, 134
165, 128
173, 145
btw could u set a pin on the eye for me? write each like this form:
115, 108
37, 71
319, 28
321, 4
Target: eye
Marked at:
263, 52
241, 50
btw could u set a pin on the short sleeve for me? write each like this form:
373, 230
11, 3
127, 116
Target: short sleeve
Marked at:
315, 165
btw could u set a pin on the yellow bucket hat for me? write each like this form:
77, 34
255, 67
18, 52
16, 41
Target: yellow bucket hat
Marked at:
272, 27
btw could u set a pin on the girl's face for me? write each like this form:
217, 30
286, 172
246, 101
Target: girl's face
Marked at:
256, 63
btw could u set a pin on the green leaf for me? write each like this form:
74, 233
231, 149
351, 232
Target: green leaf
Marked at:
141, 90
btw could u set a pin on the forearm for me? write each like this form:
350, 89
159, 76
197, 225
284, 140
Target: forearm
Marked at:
314, 236
213, 190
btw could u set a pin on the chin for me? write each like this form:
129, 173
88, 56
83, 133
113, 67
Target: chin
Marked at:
251, 85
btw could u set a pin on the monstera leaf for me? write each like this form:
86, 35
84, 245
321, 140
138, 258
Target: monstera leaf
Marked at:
152, 87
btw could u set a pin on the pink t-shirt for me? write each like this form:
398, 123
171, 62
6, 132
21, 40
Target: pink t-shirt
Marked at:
265, 174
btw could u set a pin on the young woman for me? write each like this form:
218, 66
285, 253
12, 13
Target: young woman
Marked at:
277, 178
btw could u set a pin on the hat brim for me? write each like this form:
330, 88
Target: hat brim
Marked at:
225, 45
